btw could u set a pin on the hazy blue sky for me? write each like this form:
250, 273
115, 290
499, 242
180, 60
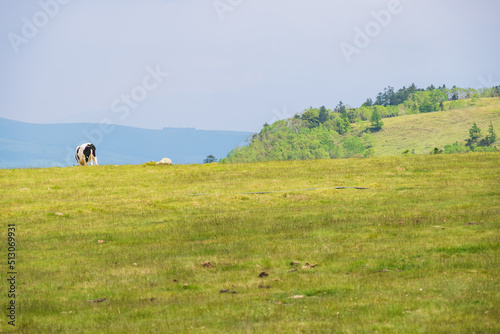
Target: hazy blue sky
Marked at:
232, 64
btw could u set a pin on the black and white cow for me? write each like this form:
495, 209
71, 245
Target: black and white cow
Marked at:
85, 153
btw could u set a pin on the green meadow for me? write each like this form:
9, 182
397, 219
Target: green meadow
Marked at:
275, 247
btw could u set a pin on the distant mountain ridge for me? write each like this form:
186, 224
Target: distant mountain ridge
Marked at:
24, 145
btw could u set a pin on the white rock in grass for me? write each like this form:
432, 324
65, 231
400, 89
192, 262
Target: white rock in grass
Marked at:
164, 161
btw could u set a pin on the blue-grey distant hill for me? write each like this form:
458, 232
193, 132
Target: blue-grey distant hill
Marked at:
50, 145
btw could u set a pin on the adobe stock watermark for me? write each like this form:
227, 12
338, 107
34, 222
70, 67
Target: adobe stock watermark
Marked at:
279, 115
364, 36
122, 107
30, 28
487, 82
222, 7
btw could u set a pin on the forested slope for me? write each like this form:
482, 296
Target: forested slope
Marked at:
409, 120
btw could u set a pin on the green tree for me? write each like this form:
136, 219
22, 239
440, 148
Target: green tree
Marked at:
491, 133
490, 138
376, 119
428, 105
353, 145
311, 118
475, 96
209, 159
474, 135
342, 125
338, 152
436, 151
341, 109
323, 115
368, 103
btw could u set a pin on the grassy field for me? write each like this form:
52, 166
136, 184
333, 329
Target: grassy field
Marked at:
424, 132
416, 252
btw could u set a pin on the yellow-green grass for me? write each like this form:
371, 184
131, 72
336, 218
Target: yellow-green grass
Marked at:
424, 132
416, 252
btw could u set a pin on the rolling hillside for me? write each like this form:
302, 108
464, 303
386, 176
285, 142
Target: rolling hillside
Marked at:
423, 132
320, 133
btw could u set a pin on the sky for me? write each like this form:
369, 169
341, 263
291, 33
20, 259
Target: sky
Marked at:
232, 64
